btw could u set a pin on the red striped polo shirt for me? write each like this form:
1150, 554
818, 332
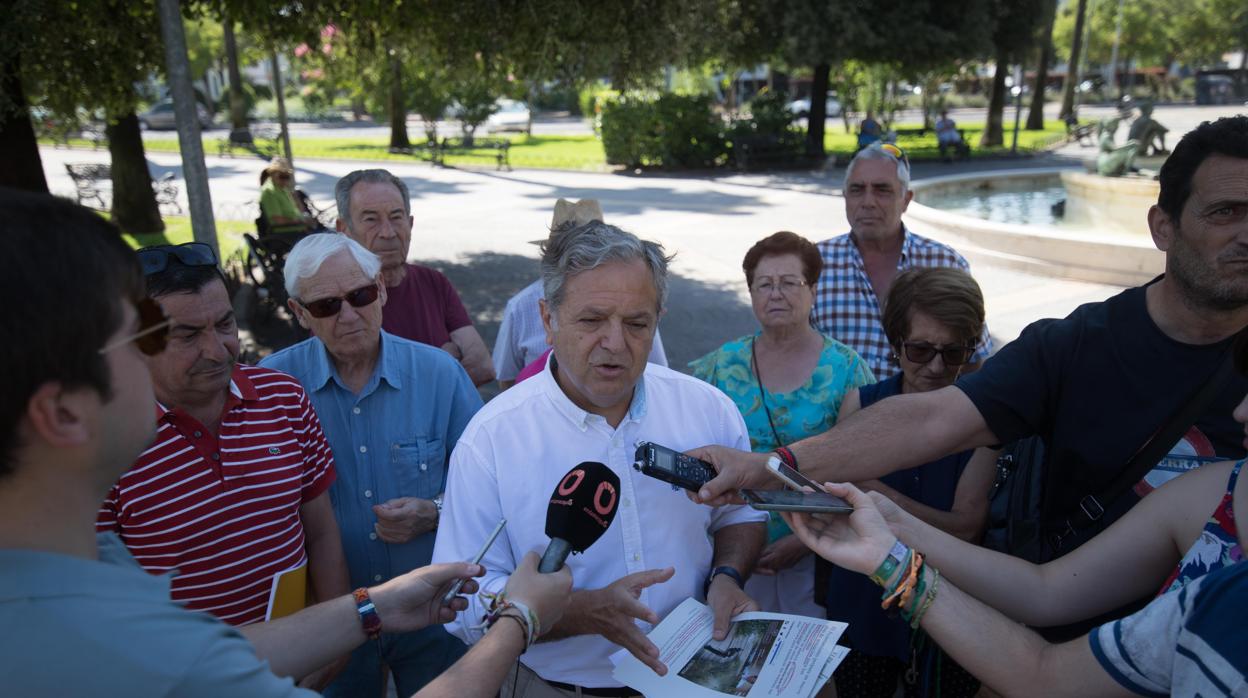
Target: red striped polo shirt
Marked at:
222, 511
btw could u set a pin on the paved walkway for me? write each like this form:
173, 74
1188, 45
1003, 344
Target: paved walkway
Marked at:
477, 225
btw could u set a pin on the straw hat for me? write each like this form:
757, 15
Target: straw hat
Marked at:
279, 164
276, 165
570, 215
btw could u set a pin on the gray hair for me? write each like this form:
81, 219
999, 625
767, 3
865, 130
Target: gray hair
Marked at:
342, 190
592, 245
875, 152
312, 251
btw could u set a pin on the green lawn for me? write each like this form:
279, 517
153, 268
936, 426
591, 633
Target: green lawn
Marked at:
585, 153
178, 231
547, 152
844, 145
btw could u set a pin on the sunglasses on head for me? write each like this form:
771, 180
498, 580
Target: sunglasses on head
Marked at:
328, 307
153, 330
895, 152
155, 259
922, 352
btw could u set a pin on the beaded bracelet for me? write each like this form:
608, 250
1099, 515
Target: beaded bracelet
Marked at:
928, 599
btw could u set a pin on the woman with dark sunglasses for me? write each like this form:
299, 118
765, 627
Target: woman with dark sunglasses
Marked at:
933, 319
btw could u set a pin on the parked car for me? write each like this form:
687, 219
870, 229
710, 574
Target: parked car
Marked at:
160, 116
511, 116
801, 107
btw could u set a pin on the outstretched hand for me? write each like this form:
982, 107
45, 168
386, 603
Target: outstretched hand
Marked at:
414, 600
857, 542
736, 470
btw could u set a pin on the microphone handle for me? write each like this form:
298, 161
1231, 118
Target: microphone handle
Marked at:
556, 553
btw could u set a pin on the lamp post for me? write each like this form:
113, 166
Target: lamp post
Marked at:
1017, 91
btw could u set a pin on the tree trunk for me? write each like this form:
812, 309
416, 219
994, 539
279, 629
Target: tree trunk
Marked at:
18, 148
398, 110
818, 112
996, 102
186, 114
238, 105
134, 202
279, 92
1035, 114
1072, 70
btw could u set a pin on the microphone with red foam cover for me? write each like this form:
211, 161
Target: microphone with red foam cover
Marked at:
581, 509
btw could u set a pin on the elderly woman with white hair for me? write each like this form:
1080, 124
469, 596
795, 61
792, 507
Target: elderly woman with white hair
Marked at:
392, 410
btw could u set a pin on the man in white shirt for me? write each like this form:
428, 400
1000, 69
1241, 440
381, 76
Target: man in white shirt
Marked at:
521, 336
596, 398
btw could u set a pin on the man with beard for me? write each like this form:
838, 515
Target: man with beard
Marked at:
1094, 385
234, 489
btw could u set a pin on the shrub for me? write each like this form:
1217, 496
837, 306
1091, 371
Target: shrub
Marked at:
768, 135
673, 131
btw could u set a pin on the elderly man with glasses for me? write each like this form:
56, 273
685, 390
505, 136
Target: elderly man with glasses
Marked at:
393, 410
859, 266
233, 491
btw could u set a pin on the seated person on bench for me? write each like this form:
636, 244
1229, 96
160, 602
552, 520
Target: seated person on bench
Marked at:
948, 136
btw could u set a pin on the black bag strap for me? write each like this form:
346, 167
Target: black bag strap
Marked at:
1092, 507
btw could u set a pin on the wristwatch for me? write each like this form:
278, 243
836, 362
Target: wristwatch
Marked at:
437, 503
730, 572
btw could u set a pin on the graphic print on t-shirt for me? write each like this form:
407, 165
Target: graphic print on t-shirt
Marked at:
1191, 452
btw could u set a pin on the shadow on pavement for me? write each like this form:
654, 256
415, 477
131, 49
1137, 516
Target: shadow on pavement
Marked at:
700, 316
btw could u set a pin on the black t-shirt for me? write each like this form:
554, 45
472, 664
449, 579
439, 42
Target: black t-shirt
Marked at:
1094, 386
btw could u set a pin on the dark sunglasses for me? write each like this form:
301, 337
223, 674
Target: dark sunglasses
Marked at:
922, 352
155, 259
328, 307
153, 330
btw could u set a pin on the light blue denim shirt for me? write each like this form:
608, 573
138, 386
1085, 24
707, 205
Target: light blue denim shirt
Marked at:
391, 440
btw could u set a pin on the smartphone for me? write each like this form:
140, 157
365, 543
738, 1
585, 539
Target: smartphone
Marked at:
663, 463
459, 583
784, 500
791, 477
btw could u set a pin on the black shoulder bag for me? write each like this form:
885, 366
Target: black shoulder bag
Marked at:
1016, 524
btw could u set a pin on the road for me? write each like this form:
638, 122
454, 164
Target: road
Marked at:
477, 225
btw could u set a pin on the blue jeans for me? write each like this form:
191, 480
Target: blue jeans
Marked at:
414, 659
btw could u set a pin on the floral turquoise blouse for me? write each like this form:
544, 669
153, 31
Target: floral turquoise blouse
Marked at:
809, 410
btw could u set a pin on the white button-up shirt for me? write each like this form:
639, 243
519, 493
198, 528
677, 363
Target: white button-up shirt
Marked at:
520, 445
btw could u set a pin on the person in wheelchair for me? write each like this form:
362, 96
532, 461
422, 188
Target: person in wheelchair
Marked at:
283, 209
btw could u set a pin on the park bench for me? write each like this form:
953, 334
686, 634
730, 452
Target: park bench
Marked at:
755, 152
501, 147
1084, 134
87, 178
261, 141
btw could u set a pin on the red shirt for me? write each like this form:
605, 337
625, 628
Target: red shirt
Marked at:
222, 511
424, 307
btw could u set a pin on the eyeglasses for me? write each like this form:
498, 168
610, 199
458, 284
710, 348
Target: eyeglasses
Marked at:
328, 307
922, 352
153, 330
192, 254
788, 285
896, 152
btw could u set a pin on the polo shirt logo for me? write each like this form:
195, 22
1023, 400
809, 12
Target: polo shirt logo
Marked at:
274, 450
